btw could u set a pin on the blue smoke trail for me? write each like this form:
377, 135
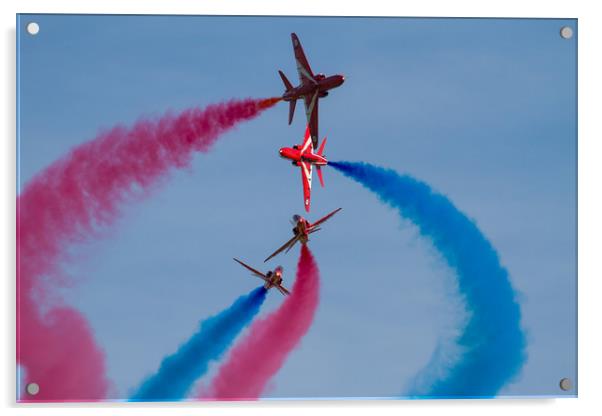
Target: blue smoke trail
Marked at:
179, 371
492, 342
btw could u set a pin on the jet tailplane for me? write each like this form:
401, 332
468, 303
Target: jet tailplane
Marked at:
291, 111
287, 83
319, 169
321, 149
292, 103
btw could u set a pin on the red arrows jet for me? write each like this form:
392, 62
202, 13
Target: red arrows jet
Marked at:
271, 279
303, 156
312, 88
302, 230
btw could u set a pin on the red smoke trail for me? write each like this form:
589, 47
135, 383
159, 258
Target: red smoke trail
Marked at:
66, 203
262, 352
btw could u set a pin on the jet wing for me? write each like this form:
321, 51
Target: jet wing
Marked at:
311, 112
324, 219
305, 73
286, 245
307, 143
306, 178
283, 290
252, 270
293, 244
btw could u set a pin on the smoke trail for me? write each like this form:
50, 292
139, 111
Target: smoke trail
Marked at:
261, 353
65, 204
492, 342
179, 371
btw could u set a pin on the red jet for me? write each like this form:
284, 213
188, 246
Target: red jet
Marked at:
302, 230
312, 88
271, 279
303, 156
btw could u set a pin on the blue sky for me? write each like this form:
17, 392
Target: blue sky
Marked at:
482, 110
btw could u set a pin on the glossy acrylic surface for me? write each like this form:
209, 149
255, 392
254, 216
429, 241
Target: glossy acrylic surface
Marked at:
451, 273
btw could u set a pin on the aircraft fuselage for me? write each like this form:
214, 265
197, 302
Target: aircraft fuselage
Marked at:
301, 229
323, 85
294, 154
275, 279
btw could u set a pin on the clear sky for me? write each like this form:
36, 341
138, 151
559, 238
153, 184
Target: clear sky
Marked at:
482, 110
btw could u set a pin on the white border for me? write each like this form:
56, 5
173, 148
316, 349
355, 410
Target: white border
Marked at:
590, 206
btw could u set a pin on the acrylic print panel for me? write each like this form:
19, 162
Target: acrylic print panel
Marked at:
152, 150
